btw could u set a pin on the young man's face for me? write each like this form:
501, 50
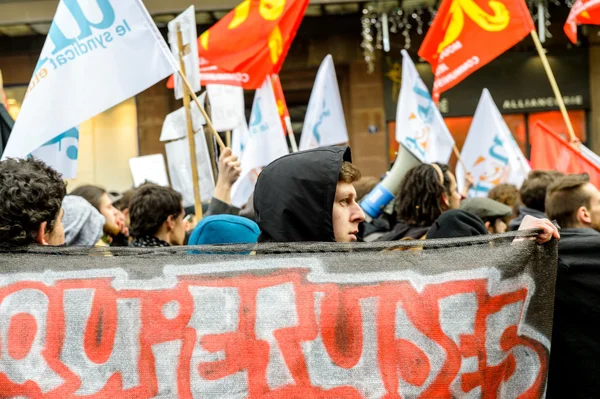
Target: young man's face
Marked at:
454, 195
110, 213
177, 236
347, 214
594, 209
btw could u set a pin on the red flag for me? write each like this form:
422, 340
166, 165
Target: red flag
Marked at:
583, 12
467, 34
282, 108
254, 38
549, 151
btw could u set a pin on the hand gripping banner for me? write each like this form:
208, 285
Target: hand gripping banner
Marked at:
444, 318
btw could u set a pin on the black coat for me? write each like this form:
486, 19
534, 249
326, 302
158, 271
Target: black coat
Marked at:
294, 195
575, 351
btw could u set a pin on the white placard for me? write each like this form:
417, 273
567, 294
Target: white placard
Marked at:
180, 168
187, 22
149, 168
226, 106
175, 125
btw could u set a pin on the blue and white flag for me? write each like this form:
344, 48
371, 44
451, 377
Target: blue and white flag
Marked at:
266, 142
98, 53
490, 151
324, 123
419, 125
61, 153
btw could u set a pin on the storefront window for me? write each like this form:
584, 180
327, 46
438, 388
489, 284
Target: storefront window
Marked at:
106, 143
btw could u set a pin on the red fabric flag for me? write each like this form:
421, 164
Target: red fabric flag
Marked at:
550, 151
282, 108
467, 34
254, 38
583, 12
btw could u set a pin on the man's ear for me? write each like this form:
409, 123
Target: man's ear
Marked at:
445, 200
583, 216
126, 212
41, 235
170, 223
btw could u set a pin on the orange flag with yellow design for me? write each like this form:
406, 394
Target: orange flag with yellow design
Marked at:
253, 39
467, 34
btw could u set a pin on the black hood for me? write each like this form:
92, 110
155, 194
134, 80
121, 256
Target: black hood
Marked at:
457, 223
293, 198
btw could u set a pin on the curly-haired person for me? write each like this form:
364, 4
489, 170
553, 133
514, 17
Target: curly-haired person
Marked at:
31, 203
427, 191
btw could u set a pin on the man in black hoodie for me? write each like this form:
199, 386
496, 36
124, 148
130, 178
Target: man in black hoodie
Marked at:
308, 196
575, 358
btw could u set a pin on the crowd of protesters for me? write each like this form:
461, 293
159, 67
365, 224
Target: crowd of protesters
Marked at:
313, 196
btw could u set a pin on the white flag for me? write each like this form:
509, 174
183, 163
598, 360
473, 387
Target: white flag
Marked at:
97, 54
227, 106
61, 153
324, 123
186, 22
265, 144
419, 125
490, 151
180, 168
239, 140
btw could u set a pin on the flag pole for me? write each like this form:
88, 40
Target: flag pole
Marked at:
559, 98
202, 110
228, 138
190, 128
291, 135
457, 153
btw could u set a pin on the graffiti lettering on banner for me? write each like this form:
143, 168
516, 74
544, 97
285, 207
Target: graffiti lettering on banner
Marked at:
254, 328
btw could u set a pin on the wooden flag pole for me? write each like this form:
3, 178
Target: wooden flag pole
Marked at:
559, 98
190, 128
459, 158
208, 121
228, 138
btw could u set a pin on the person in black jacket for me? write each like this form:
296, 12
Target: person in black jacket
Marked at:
309, 196
575, 356
427, 191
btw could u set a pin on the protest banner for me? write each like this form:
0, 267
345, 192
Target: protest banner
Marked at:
582, 12
420, 127
149, 168
460, 318
324, 123
61, 153
186, 24
550, 151
175, 125
490, 152
180, 168
284, 112
87, 66
266, 141
227, 109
